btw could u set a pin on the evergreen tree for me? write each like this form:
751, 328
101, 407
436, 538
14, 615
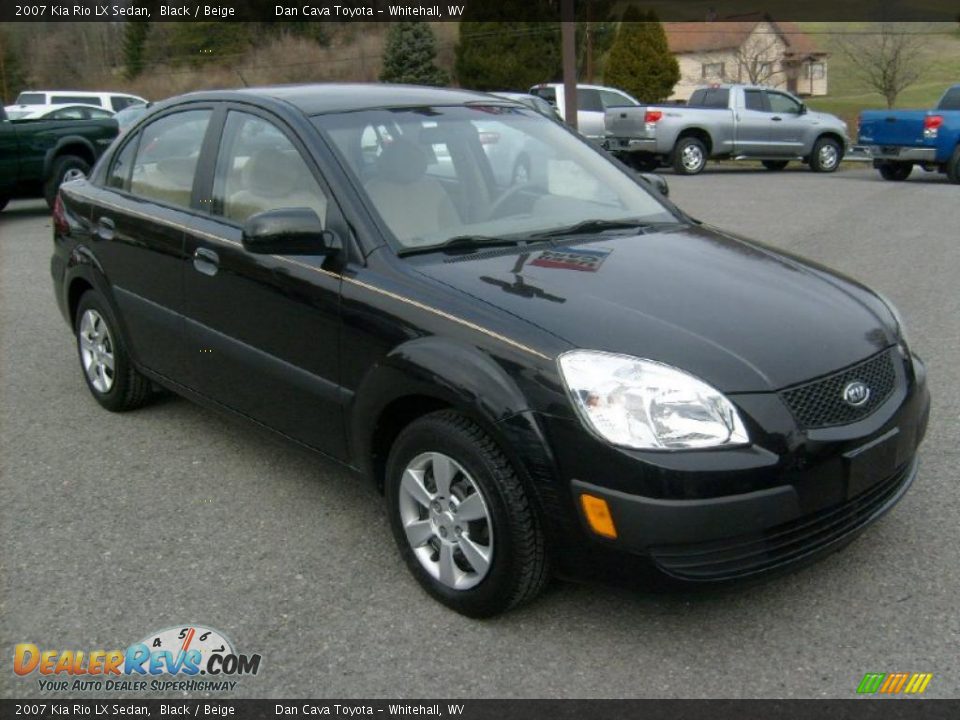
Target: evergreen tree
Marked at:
410, 54
640, 61
134, 42
13, 76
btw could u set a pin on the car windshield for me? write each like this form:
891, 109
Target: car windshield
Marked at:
483, 171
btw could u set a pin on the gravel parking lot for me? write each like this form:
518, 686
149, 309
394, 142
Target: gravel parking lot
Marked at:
114, 526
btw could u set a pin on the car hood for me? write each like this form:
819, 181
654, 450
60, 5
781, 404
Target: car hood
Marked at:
742, 316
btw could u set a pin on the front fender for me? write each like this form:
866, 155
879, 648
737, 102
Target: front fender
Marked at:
475, 383
453, 373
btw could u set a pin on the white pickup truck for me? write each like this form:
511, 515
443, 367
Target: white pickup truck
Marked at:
740, 122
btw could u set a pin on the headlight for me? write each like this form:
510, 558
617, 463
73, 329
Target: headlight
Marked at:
647, 405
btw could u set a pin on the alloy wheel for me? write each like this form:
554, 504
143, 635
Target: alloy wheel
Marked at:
446, 520
96, 351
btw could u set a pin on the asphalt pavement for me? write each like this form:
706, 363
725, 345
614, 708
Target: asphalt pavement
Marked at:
116, 526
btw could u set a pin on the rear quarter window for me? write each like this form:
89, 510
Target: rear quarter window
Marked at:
710, 98
31, 99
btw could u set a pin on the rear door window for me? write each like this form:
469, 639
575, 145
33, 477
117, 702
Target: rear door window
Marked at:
710, 98
753, 100
589, 99
167, 157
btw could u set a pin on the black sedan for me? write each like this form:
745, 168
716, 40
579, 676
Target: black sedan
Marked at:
538, 376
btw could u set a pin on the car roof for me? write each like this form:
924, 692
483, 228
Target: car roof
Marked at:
320, 98
89, 93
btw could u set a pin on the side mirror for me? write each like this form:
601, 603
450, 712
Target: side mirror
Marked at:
288, 231
656, 182
803, 109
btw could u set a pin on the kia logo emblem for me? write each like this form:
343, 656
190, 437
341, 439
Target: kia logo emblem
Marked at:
856, 393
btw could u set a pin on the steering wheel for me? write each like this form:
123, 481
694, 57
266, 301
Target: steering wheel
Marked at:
497, 205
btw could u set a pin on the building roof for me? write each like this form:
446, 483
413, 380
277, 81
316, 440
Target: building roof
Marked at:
691, 37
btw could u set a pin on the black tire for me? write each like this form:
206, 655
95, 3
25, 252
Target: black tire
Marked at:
62, 166
895, 171
953, 167
684, 165
518, 567
642, 162
128, 389
521, 171
830, 163
775, 165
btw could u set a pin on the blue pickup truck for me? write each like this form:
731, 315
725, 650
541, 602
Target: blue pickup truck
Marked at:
899, 139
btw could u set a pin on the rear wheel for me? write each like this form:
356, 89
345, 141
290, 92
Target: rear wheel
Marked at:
106, 366
775, 165
689, 156
895, 171
461, 517
65, 168
953, 167
826, 155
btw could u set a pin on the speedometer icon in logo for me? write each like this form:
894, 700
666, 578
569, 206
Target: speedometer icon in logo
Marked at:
194, 644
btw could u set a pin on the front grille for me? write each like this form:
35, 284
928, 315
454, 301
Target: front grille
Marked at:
750, 554
820, 403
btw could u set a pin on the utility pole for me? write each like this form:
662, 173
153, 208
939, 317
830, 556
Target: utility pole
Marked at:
569, 53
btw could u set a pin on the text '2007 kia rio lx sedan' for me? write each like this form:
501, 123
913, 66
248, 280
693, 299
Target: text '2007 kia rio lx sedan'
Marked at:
538, 374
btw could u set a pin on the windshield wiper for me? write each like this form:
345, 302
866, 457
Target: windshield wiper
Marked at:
595, 226
463, 243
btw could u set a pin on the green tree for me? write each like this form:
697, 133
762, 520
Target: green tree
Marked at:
13, 76
640, 61
410, 54
134, 45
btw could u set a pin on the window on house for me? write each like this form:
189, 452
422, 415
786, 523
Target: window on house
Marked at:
713, 71
816, 71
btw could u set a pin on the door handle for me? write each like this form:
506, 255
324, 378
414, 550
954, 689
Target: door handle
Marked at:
777, 118
206, 261
106, 229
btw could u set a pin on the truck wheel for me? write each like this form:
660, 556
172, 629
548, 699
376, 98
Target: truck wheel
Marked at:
895, 171
953, 167
775, 165
826, 155
65, 167
106, 366
461, 518
689, 156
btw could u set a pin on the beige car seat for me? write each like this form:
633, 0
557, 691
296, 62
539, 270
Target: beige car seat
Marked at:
272, 180
414, 206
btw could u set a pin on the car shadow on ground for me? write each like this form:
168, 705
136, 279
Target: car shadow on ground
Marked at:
31, 209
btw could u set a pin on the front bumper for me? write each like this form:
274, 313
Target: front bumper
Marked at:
721, 515
629, 144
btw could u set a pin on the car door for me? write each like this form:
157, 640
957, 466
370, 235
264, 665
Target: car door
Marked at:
9, 157
753, 124
263, 331
138, 218
787, 124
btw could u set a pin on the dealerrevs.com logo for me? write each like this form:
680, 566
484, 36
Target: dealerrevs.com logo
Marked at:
184, 658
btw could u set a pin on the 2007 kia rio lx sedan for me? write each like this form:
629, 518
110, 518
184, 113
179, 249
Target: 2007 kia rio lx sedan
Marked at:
538, 375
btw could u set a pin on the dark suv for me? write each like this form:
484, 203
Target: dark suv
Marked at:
537, 374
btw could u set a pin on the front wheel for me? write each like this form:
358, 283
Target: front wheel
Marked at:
106, 366
689, 156
461, 518
826, 155
65, 169
895, 171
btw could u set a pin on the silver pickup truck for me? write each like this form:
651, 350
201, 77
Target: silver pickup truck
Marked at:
740, 122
